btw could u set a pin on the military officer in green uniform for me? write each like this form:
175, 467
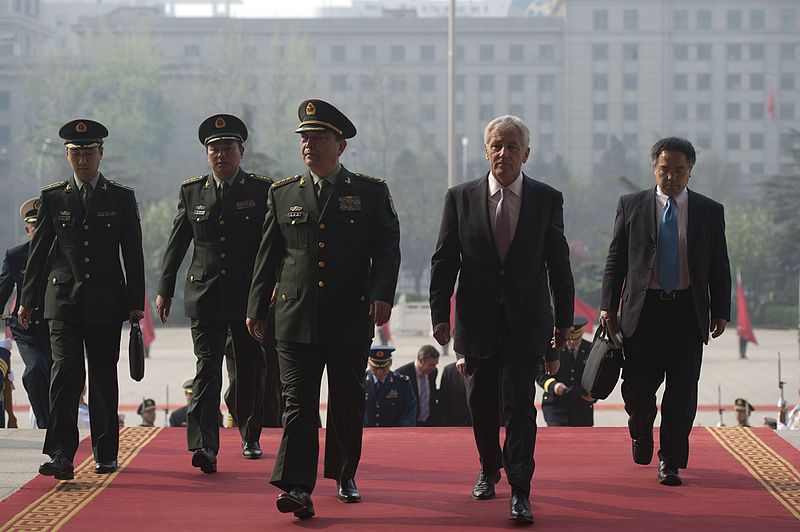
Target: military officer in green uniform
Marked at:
332, 242
222, 213
89, 220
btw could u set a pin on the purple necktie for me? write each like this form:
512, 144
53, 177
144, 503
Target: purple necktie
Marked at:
502, 225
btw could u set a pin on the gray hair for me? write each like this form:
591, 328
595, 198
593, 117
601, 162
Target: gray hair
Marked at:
505, 123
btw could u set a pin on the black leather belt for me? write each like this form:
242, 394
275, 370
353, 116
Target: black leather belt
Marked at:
667, 296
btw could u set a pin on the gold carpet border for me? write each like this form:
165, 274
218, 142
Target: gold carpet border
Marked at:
779, 477
55, 508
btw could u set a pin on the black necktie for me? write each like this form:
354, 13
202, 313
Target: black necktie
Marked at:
378, 388
223, 191
86, 195
323, 192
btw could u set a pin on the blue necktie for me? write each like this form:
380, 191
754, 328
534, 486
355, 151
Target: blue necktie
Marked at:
668, 265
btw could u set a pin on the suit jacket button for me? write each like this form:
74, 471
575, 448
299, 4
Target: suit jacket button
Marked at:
222, 222
85, 243
321, 284
87, 275
86, 259
222, 255
283, 297
321, 264
54, 280
86, 226
222, 238
322, 226
322, 245
222, 272
191, 277
37, 322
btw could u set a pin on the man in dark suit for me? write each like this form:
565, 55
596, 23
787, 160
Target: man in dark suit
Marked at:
33, 342
389, 400
453, 408
565, 403
90, 222
221, 213
668, 270
503, 236
332, 240
422, 375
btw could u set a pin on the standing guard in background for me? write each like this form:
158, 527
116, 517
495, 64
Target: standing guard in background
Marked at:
88, 295
222, 213
34, 342
565, 403
389, 400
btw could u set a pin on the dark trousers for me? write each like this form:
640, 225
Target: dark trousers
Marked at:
666, 344
34, 348
202, 419
301, 367
101, 343
505, 382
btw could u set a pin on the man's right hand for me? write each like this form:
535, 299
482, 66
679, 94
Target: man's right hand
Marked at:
559, 388
441, 331
603, 317
255, 327
24, 316
163, 304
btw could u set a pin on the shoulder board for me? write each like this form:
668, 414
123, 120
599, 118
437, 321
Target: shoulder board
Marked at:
194, 180
262, 178
286, 181
54, 185
119, 185
369, 178
401, 376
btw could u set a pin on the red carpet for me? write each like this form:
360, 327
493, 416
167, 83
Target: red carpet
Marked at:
414, 479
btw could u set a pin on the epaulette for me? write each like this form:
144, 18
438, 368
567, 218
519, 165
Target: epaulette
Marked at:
285, 181
194, 180
262, 178
369, 178
119, 185
400, 375
51, 186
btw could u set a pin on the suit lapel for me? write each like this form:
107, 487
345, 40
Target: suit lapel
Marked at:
73, 198
526, 211
97, 197
308, 196
236, 185
649, 210
692, 222
481, 206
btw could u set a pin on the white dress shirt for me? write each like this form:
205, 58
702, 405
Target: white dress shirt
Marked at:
682, 204
514, 200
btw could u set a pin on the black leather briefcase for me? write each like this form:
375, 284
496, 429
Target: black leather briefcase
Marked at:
136, 352
601, 373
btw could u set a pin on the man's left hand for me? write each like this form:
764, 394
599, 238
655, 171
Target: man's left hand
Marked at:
380, 312
560, 337
551, 368
135, 315
717, 327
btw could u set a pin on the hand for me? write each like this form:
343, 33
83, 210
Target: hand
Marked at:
461, 365
12, 420
559, 388
551, 367
163, 304
135, 315
560, 337
588, 398
274, 295
717, 327
441, 331
255, 327
603, 317
380, 312
24, 316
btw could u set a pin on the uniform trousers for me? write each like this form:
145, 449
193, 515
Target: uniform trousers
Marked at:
504, 382
301, 366
34, 348
202, 420
666, 344
101, 343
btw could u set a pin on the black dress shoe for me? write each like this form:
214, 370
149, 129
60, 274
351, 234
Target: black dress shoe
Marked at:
484, 485
668, 475
642, 450
59, 466
205, 459
251, 450
348, 492
103, 467
520, 511
297, 501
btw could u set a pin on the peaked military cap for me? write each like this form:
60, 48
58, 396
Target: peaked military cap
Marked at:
318, 115
380, 356
29, 210
188, 385
147, 405
221, 127
578, 323
742, 404
83, 133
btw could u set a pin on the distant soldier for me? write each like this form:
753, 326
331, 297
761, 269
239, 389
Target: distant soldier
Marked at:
222, 213
388, 397
34, 342
147, 411
91, 222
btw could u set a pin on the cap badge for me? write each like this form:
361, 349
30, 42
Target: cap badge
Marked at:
219, 123
310, 109
80, 127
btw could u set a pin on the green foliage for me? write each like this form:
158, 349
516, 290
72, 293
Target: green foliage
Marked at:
778, 315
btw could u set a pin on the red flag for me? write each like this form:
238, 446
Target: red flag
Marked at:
582, 308
771, 104
743, 326
148, 329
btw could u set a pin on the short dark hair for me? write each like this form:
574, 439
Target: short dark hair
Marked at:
428, 351
673, 144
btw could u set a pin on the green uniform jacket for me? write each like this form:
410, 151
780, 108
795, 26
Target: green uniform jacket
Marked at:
86, 283
226, 239
332, 263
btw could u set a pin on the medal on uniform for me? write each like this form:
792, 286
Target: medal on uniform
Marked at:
349, 203
200, 210
295, 211
245, 204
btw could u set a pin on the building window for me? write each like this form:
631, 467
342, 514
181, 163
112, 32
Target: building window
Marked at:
788, 20
338, 83
756, 111
680, 20
546, 83
630, 111
459, 52
600, 19
786, 111
733, 82
600, 141
5, 100
680, 111
703, 19
547, 53
704, 82
756, 82
600, 111
486, 112
515, 109
427, 53
680, 52
756, 141
733, 111
630, 52
5, 135
703, 140
733, 52
547, 142
704, 52
397, 53
787, 84
191, 50
787, 52
397, 83
367, 82
630, 81
461, 82
338, 53
516, 83
734, 19
485, 83
460, 112
703, 111
756, 169
368, 53
427, 82
631, 141
600, 82
486, 52
756, 52
599, 52
757, 19
516, 52
680, 82
733, 141
786, 142
428, 112
630, 19
546, 112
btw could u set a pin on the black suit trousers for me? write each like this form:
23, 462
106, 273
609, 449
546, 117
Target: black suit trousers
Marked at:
101, 342
202, 421
666, 344
505, 382
301, 366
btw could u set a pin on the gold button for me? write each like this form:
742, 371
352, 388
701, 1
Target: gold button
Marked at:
223, 272
191, 277
321, 264
352, 221
63, 225
37, 322
321, 284
283, 297
109, 226
322, 226
322, 244
222, 238
86, 259
222, 222
293, 222
88, 275
54, 280
222, 255
85, 242
198, 219
86, 226
377, 414
246, 217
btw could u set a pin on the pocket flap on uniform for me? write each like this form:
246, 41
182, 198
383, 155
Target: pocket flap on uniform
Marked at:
287, 291
60, 277
196, 274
